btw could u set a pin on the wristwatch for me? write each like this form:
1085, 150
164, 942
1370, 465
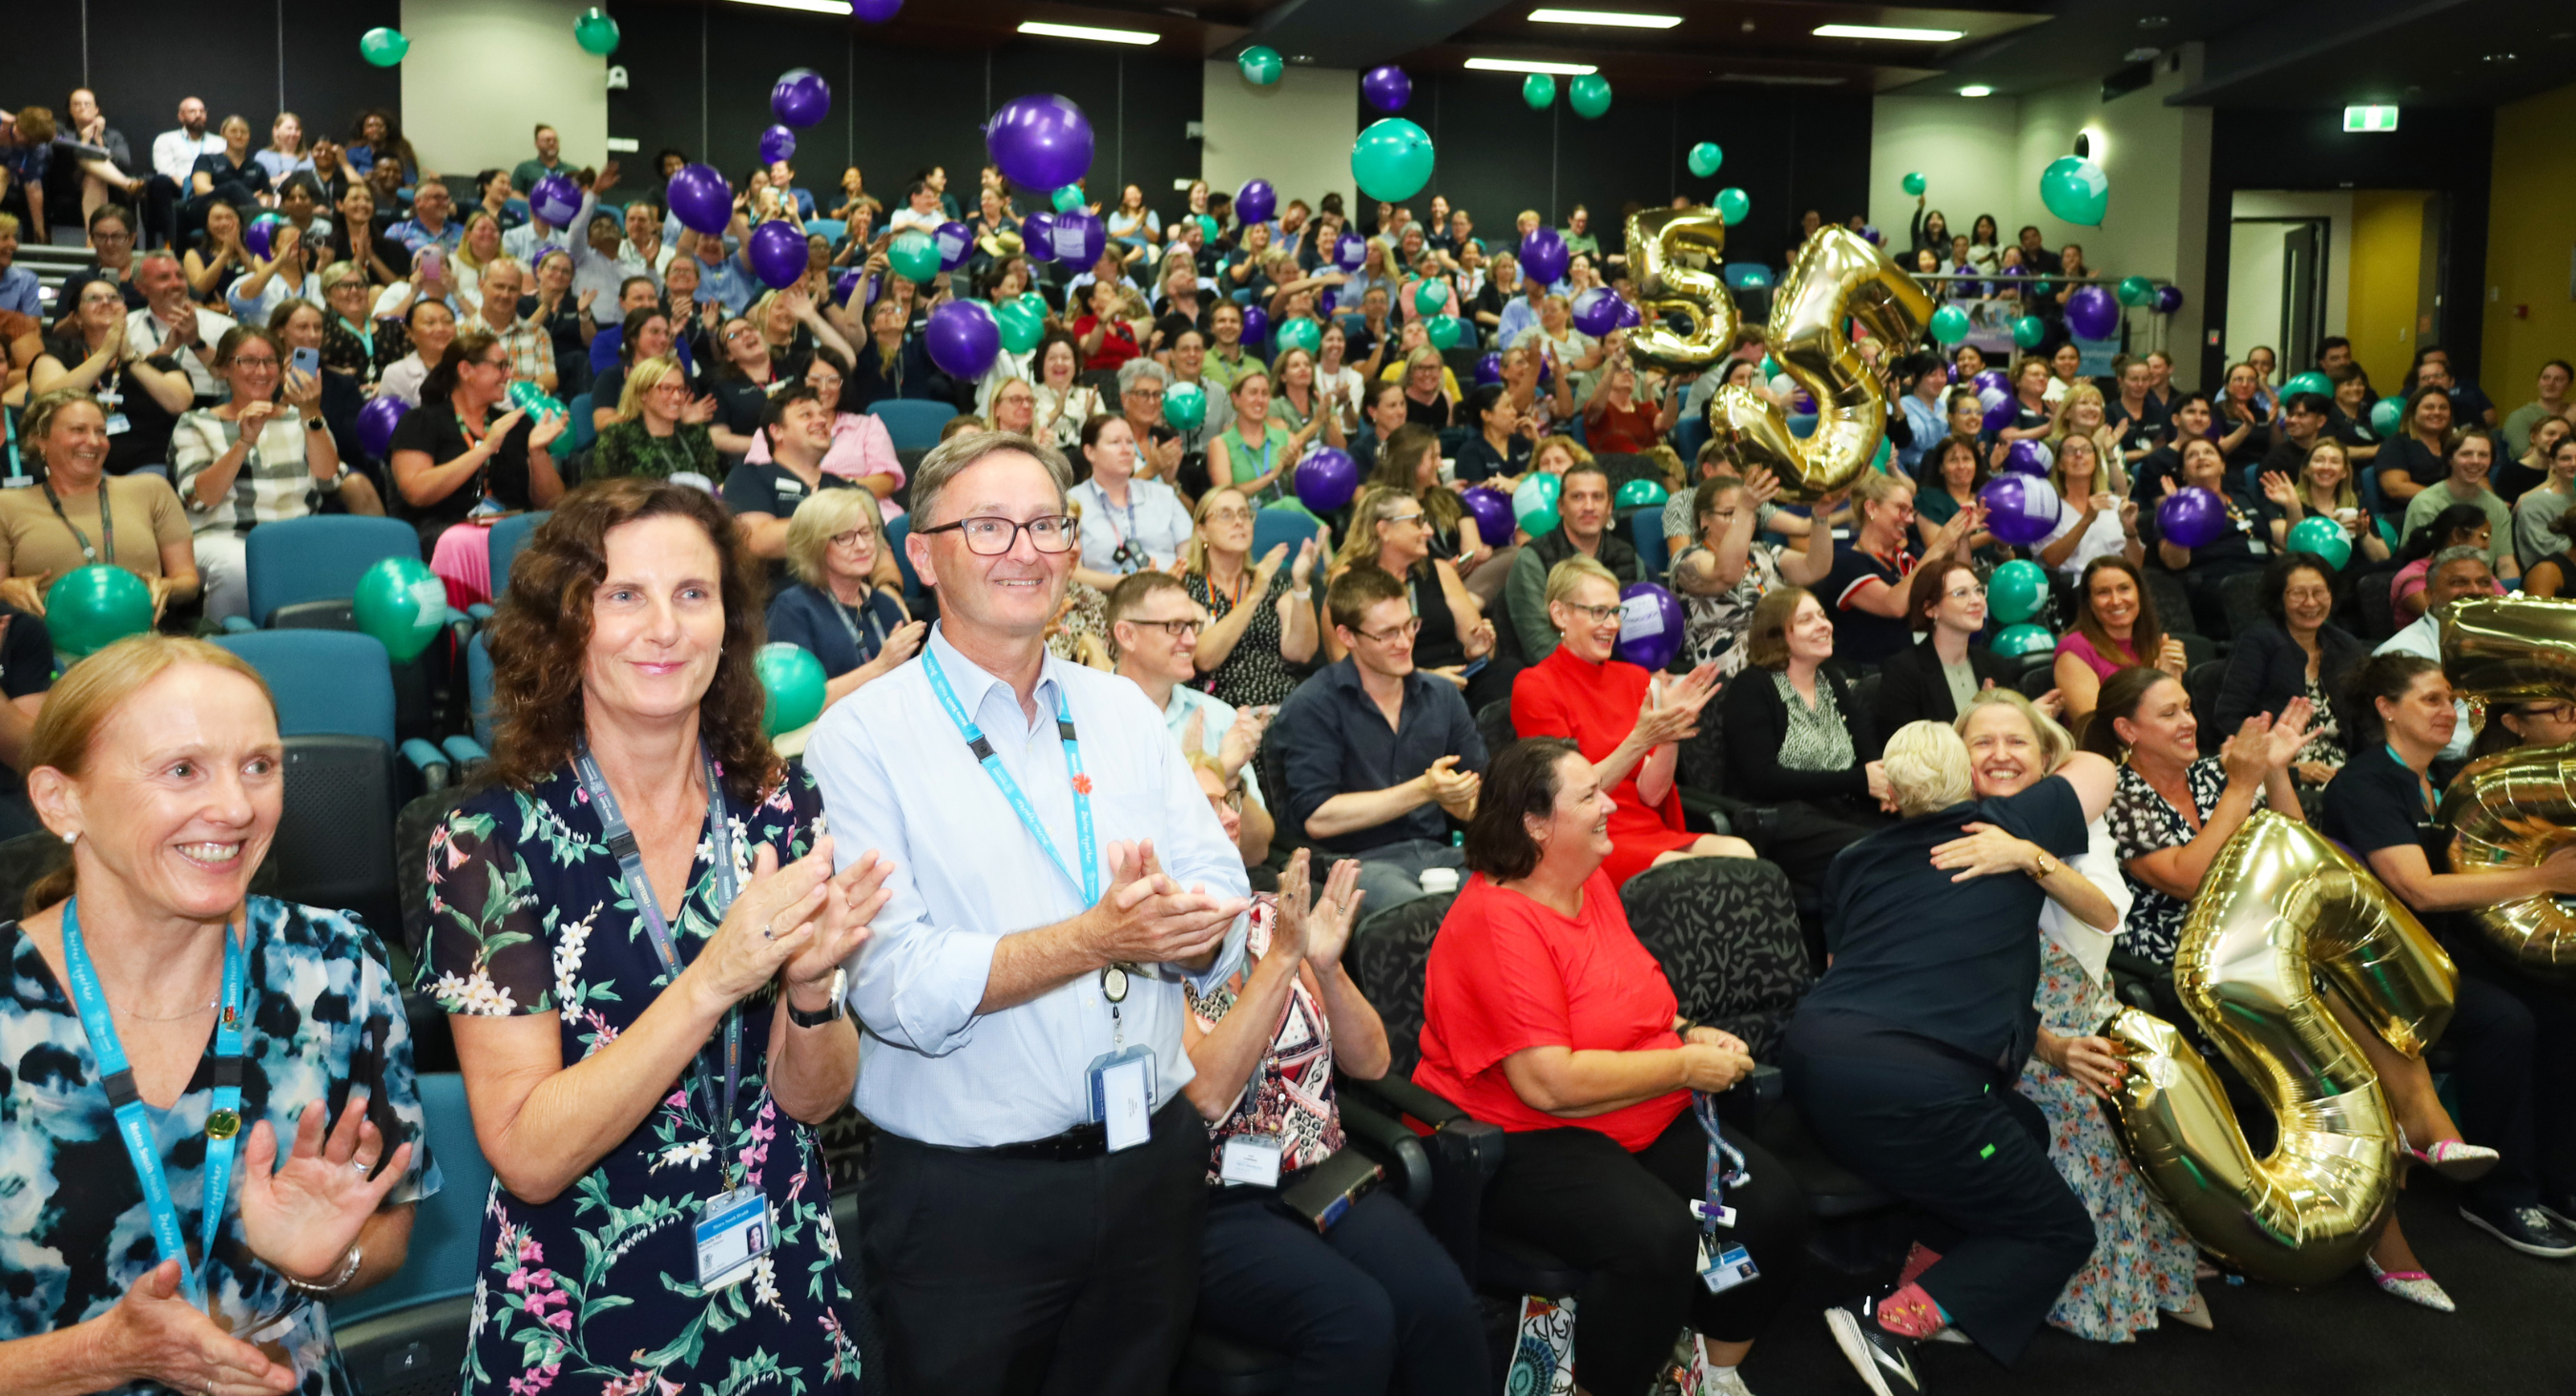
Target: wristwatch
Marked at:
2047, 868
829, 1016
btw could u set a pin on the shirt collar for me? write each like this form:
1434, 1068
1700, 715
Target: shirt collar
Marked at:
972, 683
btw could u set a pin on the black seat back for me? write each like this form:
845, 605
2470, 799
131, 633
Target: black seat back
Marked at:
335, 842
2242, 595
1389, 953
1494, 724
1726, 932
2202, 681
2173, 604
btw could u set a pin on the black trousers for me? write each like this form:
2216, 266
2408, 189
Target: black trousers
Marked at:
2553, 1077
1971, 1153
2501, 1077
1373, 1305
1624, 1217
998, 1277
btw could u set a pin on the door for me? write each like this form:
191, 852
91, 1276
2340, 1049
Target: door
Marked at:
2303, 298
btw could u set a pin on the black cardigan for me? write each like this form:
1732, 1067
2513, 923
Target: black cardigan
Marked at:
1911, 688
1757, 722
2266, 669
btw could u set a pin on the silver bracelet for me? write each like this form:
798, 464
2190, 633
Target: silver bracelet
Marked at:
348, 1271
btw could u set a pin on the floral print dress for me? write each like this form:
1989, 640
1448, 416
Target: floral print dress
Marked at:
2143, 822
596, 1291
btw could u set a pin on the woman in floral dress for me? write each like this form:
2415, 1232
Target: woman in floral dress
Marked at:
598, 1075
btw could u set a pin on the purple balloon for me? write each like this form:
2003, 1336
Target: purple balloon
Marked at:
956, 244
1651, 634
1993, 378
1543, 255
2192, 517
1255, 202
1630, 317
376, 423
1078, 237
1876, 238
2020, 509
555, 200
874, 11
1041, 141
778, 255
801, 97
2001, 408
1037, 236
1596, 312
2093, 312
1331, 297
776, 144
1326, 479
1493, 511
963, 338
257, 237
1350, 253
2028, 458
701, 199
844, 284
1256, 324
1489, 369
1387, 88
2168, 299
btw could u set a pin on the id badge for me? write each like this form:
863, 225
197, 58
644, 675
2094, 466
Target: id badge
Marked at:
1251, 1160
118, 424
1727, 1269
1122, 1096
733, 1232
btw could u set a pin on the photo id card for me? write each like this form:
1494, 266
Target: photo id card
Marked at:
1251, 1160
1122, 1096
733, 1231
1729, 1268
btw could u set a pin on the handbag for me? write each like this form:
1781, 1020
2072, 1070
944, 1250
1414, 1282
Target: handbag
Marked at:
1329, 1189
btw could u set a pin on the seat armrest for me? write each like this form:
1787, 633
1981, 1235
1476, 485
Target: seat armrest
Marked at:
239, 625
1464, 1154
479, 611
465, 751
1400, 1099
1393, 1147
435, 770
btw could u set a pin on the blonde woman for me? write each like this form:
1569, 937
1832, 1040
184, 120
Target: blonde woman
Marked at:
660, 431
1261, 617
2324, 487
480, 249
843, 608
2084, 412
1256, 453
2087, 473
285, 154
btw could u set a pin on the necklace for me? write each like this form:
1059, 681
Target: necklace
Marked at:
209, 1007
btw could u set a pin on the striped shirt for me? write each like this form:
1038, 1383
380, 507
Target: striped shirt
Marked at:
275, 482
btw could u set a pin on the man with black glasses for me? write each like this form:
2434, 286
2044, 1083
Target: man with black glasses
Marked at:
1156, 627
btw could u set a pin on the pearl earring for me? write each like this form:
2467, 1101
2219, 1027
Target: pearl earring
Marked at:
72, 837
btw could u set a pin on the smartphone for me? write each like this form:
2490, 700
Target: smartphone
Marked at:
307, 361
1472, 668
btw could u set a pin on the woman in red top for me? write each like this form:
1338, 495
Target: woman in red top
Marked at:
1614, 424
1544, 1015
1604, 706
1107, 341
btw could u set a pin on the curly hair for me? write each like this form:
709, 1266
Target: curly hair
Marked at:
542, 627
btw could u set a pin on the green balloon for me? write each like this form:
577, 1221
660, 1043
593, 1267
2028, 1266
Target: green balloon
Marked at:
595, 32
2075, 190
1300, 333
1392, 159
93, 607
1428, 298
1732, 205
1770, 368
1539, 90
1639, 493
1185, 405
383, 47
1949, 324
2017, 591
1068, 198
1705, 157
401, 603
2308, 382
2322, 536
914, 256
533, 400
1023, 322
793, 679
1534, 504
1208, 225
1444, 330
1915, 183
2024, 639
1588, 94
2029, 331
1261, 65
2136, 291
2385, 415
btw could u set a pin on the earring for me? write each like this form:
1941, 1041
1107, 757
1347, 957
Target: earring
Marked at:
72, 837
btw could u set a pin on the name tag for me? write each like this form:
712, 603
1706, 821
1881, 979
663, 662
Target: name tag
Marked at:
1122, 1097
118, 425
1251, 1160
733, 1232
1726, 1269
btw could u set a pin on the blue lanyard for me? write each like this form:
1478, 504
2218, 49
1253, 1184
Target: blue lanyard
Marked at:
1725, 1161
134, 1118
639, 889
1089, 880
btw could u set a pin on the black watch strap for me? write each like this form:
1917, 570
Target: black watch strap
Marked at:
833, 1014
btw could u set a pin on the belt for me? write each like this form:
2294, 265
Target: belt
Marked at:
1073, 1146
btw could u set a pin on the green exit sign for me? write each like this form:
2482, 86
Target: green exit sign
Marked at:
2370, 118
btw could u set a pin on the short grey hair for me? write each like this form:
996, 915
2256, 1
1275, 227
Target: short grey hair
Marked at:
2463, 553
1927, 766
1140, 367
956, 453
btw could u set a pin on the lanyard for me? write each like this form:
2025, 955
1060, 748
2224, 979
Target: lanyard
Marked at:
2423, 790
1089, 880
134, 1118
106, 521
9, 434
1725, 1161
876, 627
639, 888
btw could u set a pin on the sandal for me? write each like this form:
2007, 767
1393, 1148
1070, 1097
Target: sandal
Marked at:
2457, 1160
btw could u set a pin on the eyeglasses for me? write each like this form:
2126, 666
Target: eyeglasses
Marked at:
1232, 799
111, 237
1965, 593
1229, 516
1148, 393
991, 537
1413, 518
1405, 631
1183, 630
254, 361
854, 537
2548, 712
1601, 615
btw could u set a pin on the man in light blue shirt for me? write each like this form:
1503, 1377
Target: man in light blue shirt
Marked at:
18, 291
1025, 962
1156, 626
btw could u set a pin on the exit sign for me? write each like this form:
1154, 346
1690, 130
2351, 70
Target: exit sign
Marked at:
2370, 118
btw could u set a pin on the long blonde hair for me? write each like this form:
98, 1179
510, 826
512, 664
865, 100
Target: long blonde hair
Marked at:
2345, 498
1194, 553
1375, 504
643, 378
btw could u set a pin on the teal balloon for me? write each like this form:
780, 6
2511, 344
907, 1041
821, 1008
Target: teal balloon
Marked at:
2136, 291
1539, 90
793, 680
1300, 333
93, 607
2024, 639
595, 32
1705, 157
1915, 184
1444, 331
1588, 94
1949, 324
1428, 298
2017, 591
1068, 198
1883, 461
533, 400
1639, 493
401, 603
1023, 322
2029, 331
2322, 536
383, 47
2385, 415
1261, 65
914, 256
2308, 382
1392, 159
1770, 368
1534, 504
2075, 190
1208, 225
1185, 406
1732, 205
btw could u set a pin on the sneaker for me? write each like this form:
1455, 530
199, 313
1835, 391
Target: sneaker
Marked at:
2561, 1209
2454, 1159
1884, 1360
2529, 1230
2413, 1286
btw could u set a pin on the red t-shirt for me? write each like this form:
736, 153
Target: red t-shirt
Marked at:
1623, 431
1116, 347
1508, 974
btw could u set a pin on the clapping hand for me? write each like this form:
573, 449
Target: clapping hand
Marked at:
1302, 571
1147, 918
700, 411
549, 426
1323, 928
1450, 788
301, 1219
2289, 733
2171, 657
1268, 567
155, 1335
1235, 749
851, 900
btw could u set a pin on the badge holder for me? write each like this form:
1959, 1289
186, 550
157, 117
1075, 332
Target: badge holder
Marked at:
734, 1231
1721, 1267
1121, 1080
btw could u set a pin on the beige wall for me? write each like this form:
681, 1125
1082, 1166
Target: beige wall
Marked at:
2531, 229
2386, 284
483, 73
1296, 133
1964, 149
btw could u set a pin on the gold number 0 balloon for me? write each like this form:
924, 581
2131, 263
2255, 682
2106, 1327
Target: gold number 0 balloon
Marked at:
2278, 906
2515, 808
1837, 275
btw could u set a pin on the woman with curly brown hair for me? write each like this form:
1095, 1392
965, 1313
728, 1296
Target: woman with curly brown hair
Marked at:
592, 957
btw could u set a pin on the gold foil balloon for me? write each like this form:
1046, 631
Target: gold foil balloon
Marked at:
1678, 252
2279, 908
2514, 808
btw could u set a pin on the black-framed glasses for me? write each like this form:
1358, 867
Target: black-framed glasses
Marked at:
1185, 629
1600, 615
991, 537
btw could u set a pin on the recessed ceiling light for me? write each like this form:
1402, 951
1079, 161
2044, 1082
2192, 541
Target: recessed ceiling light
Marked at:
1530, 65
1781, 79
1085, 31
2153, 21
1609, 17
819, 7
2500, 57
1881, 31
1976, 90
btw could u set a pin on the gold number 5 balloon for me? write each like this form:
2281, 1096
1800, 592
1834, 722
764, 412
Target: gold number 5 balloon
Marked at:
2515, 808
2279, 906
1837, 275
